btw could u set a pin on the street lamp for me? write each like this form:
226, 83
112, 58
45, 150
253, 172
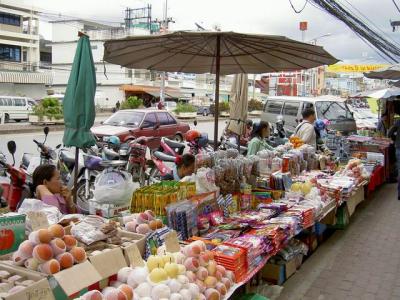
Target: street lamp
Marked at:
314, 40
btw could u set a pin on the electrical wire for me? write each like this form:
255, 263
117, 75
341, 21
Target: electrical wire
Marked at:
395, 4
298, 11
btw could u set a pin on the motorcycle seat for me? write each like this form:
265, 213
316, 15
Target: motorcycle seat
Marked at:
164, 157
174, 144
68, 158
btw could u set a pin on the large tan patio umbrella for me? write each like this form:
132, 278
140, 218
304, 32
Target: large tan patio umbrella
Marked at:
392, 73
219, 53
238, 105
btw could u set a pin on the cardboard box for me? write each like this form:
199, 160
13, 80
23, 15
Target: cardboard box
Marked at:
108, 263
298, 260
274, 273
73, 280
39, 290
290, 268
138, 239
12, 232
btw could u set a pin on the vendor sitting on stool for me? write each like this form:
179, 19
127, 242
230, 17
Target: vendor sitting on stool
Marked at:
184, 166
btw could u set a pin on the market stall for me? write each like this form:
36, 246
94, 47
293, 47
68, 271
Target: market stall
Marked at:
235, 219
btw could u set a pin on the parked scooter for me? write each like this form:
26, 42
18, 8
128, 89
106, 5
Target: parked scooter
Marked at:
17, 189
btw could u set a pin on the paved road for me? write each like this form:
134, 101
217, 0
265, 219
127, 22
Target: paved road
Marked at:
25, 144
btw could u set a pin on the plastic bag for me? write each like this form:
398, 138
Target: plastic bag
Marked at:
52, 213
115, 187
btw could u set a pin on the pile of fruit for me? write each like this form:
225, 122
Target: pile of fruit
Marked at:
300, 187
142, 223
49, 251
296, 142
191, 274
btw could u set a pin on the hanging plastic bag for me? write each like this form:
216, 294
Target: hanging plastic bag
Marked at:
114, 187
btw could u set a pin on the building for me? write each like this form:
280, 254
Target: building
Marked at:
20, 72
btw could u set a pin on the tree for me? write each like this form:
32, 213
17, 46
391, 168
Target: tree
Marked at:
132, 102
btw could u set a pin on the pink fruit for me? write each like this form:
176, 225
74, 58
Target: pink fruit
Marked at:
212, 268
58, 246
221, 269
127, 290
204, 259
42, 253
18, 259
50, 267
191, 264
230, 276
212, 294
202, 273
66, 260
218, 275
143, 228
150, 215
131, 226
93, 295
142, 218
200, 244
26, 249
201, 285
191, 276
210, 282
227, 282
221, 288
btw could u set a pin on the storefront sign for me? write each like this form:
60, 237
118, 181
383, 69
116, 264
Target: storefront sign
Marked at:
341, 68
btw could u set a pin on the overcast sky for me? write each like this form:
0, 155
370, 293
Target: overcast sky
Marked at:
250, 16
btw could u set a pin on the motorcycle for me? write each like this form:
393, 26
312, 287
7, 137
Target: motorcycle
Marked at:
226, 144
17, 189
279, 135
159, 167
47, 155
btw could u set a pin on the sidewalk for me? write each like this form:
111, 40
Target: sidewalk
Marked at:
360, 262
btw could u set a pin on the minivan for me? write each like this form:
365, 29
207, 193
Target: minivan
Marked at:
330, 108
15, 108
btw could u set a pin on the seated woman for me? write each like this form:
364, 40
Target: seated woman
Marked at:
184, 166
260, 133
48, 188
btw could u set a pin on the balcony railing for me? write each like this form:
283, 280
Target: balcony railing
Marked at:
113, 33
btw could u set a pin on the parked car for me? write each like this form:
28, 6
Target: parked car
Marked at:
133, 123
15, 108
204, 110
326, 107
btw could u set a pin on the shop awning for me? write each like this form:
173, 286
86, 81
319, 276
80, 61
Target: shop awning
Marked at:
152, 90
26, 77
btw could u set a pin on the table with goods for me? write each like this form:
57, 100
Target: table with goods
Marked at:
235, 222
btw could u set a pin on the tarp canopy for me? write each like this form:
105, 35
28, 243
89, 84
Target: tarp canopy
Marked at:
392, 72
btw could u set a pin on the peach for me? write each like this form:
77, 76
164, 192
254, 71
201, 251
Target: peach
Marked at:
18, 259
212, 267
143, 228
153, 224
33, 237
93, 295
200, 244
202, 273
150, 215
58, 246
204, 259
201, 285
127, 290
70, 241
57, 231
42, 253
221, 288
230, 276
221, 269
212, 294
143, 218
159, 224
192, 276
44, 236
218, 275
79, 254
131, 226
210, 282
111, 293
191, 264
210, 254
66, 260
50, 267
227, 282
26, 248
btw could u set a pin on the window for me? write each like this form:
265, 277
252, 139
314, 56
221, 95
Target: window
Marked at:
171, 120
94, 47
122, 118
273, 107
19, 102
149, 121
11, 53
10, 19
332, 111
9, 102
291, 109
163, 119
1, 102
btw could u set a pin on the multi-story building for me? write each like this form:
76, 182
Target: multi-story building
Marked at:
20, 51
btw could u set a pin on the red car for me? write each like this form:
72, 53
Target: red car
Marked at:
133, 123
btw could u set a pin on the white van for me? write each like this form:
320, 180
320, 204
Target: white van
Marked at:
331, 108
15, 108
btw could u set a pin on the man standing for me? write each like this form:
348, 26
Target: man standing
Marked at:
381, 128
117, 105
394, 134
305, 130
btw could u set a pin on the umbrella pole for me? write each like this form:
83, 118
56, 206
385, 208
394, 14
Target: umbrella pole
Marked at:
76, 167
216, 97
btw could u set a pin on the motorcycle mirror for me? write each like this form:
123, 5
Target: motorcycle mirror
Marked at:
58, 146
46, 130
12, 147
195, 122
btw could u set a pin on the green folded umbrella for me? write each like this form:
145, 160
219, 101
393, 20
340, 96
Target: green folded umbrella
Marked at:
79, 108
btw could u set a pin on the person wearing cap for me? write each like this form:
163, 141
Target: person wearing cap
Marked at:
305, 130
258, 142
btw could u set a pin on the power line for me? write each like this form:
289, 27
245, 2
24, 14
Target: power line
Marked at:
298, 11
395, 4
